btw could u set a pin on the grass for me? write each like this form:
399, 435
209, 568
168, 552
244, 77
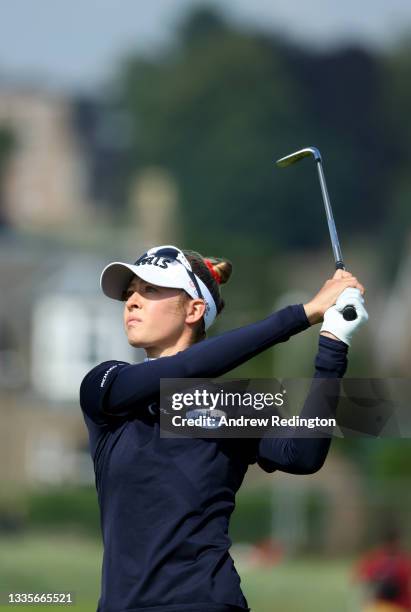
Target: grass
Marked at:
51, 563
38, 562
301, 586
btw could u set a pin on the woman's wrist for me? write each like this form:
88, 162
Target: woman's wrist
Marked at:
312, 313
329, 335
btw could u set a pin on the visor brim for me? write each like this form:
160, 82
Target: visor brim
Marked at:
116, 277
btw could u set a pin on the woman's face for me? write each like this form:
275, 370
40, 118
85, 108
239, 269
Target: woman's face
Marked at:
153, 316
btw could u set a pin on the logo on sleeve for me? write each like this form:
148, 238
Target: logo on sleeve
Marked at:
103, 382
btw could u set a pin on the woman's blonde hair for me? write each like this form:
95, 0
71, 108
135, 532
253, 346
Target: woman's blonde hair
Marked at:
213, 271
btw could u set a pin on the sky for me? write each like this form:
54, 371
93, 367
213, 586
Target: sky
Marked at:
76, 45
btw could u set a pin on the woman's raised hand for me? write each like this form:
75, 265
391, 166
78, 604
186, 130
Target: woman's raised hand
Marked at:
328, 294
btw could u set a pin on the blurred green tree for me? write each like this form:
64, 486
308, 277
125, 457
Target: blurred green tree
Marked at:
7, 144
221, 105
396, 103
216, 111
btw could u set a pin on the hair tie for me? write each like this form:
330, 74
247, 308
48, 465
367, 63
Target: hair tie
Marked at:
214, 272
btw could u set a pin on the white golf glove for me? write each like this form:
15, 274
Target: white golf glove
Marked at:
334, 321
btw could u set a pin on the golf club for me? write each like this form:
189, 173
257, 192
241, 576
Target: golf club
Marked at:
349, 313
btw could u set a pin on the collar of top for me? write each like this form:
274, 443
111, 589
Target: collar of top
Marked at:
165, 266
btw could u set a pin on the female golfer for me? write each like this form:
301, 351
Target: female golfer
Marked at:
165, 503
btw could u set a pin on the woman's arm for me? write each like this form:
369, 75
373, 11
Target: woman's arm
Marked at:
118, 387
115, 388
307, 455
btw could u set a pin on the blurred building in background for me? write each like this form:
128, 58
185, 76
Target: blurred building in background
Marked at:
46, 182
55, 325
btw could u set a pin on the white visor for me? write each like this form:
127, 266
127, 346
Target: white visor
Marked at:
159, 270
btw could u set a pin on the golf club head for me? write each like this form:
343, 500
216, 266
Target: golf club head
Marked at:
295, 157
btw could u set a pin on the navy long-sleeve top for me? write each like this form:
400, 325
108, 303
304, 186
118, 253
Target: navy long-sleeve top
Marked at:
165, 503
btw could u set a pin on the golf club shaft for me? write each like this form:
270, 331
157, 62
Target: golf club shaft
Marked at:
339, 263
349, 313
